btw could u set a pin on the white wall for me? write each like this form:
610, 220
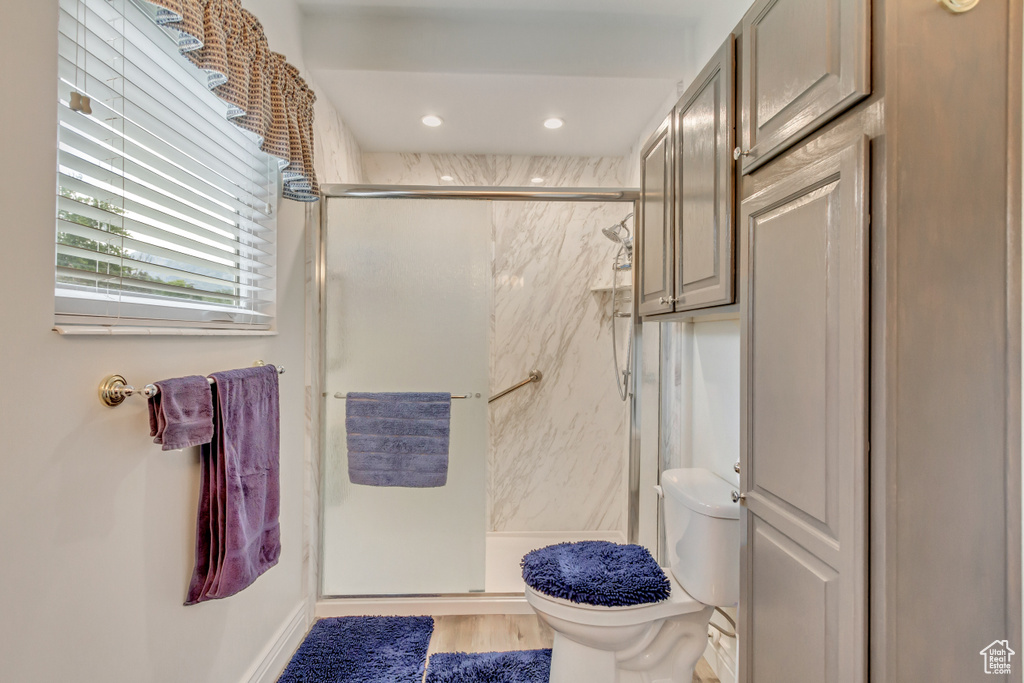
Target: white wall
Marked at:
701, 396
96, 523
702, 45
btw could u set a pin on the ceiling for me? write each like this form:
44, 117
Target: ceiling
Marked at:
493, 70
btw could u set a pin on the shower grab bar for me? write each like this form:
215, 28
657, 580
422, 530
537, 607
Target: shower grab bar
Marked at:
535, 376
342, 394
114, 389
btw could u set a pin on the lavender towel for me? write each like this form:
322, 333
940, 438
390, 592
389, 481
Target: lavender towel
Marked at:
398, 439
181, 414
237, 532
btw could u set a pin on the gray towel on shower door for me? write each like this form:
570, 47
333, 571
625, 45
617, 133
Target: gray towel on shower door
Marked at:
398, 439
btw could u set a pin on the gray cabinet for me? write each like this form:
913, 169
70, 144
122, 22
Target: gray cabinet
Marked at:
686, 235
654, 237
704, 127
804, 63
804, 280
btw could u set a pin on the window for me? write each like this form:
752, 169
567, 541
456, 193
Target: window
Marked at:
165, 209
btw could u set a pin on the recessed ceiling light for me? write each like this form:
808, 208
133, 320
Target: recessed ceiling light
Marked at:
431, 120
553, 123
538, 179
447, 178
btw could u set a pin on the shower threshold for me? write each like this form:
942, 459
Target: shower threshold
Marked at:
503, 593
504, 550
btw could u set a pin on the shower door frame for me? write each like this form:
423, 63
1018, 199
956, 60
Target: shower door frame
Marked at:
375, 191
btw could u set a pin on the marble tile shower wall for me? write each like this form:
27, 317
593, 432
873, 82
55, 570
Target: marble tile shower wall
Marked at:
558, 449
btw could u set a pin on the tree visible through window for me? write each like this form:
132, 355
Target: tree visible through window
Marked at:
107, 259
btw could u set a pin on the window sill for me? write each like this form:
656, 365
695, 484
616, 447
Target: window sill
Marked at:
105, 331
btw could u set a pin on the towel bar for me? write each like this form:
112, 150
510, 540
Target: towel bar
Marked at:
341, 394
114, 389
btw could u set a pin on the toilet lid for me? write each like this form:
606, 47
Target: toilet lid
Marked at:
596, 573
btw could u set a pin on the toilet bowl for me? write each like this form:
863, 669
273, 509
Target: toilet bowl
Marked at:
642, 643
658, 642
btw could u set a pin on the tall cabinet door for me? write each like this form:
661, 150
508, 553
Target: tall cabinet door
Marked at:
704, 140
804, 282
804, 62
654, 238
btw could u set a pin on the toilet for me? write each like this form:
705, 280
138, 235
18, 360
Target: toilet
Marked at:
658, 642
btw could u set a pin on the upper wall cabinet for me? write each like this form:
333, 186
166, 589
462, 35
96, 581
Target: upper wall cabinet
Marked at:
804, 62
686, 244
654, 238
704, 125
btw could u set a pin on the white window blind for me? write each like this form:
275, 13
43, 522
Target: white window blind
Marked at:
165, 209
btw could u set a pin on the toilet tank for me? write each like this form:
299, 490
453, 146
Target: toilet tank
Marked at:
702, 532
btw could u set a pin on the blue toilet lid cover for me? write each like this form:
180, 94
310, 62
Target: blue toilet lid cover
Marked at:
596, 573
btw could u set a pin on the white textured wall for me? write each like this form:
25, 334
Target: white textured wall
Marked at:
701, 396
557, 450
96, 523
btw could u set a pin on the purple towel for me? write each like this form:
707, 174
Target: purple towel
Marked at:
181, 414
398, 439
237, 532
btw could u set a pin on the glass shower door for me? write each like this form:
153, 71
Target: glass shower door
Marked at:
407, 309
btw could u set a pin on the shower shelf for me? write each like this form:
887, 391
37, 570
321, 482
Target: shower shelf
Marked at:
603, 287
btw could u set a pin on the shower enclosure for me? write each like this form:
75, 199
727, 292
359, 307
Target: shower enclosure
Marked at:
467, 291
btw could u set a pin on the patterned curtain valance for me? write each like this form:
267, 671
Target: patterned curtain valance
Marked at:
264, 93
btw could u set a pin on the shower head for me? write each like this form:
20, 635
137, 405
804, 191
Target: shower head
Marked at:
622, 236
611, 233
615, 232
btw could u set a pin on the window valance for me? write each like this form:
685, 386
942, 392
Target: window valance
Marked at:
264, 93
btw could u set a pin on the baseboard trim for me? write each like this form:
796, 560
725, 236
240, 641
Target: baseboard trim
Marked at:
278, 652
412, 606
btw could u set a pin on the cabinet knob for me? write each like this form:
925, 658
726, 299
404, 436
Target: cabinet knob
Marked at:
737, 153
956, 6
663, 300
737, 497
736, 467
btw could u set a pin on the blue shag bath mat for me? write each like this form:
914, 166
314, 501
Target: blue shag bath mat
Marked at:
362, 650
596, 573
524, 666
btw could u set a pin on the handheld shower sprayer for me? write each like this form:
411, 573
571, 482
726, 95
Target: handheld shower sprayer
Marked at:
621, 235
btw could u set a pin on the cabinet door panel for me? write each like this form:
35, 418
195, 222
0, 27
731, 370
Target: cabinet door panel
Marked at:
789, 419
804, 423
654, 238
805, 61
704, 139
791, 586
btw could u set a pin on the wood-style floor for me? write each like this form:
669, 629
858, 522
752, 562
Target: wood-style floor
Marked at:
500, 632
